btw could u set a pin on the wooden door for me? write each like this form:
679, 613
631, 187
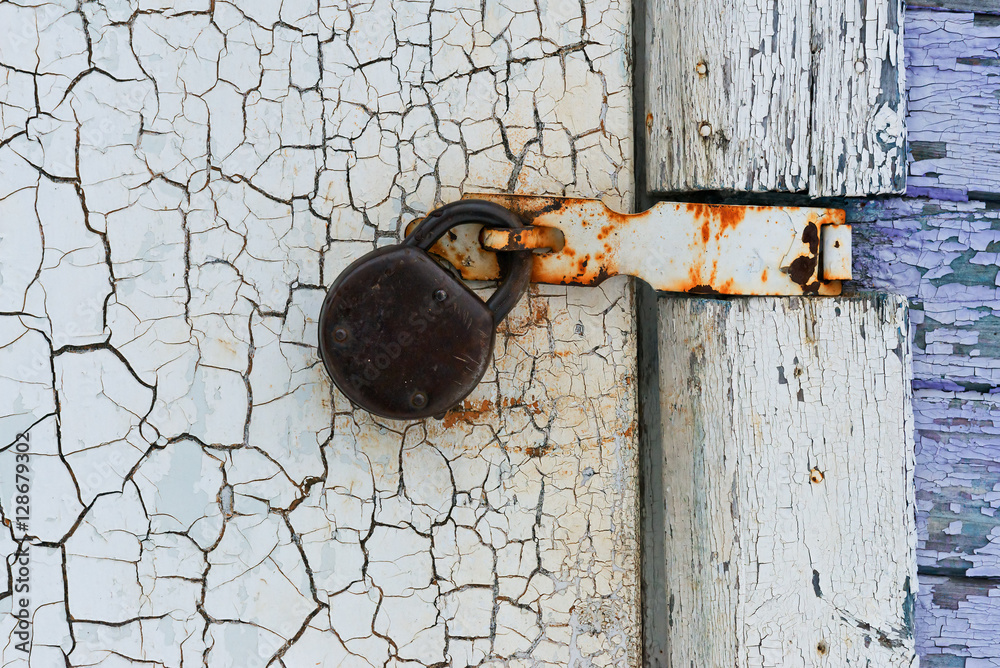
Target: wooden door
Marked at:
179, 183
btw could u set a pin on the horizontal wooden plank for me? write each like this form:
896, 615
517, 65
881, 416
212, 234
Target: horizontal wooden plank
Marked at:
958, 481
795, 95
958, 622
957, 5
943, 256
953, 88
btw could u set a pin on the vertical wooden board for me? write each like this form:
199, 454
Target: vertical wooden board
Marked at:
790, 96
953, 82
958, 622
787, 483
857, 130
727, 96
178, 186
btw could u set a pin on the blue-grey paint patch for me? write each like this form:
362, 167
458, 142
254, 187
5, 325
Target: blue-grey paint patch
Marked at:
928, 150
986, 20
909, 604
952, 592
958, 5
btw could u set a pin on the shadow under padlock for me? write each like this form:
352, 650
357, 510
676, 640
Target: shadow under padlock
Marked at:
402, 337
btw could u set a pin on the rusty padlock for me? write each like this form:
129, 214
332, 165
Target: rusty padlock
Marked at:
402, 337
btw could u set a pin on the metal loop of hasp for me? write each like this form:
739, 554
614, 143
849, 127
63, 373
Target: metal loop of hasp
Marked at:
515, 266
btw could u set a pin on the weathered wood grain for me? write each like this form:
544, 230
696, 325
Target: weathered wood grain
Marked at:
789, 95
992, 6
787, 484
958, 622
943, 256
953, 81
958, 482
857, 130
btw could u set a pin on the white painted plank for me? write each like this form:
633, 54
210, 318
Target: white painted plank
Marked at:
857, 129
787, 483
789, 95
193, 175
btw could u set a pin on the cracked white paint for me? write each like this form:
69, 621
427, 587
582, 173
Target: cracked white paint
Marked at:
178, 184
786, 95
787, 484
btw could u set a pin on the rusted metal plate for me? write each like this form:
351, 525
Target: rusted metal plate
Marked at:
548, 238
675, 247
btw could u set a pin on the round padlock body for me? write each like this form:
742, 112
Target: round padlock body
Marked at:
401, 337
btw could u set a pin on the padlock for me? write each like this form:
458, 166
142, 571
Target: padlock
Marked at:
401, 336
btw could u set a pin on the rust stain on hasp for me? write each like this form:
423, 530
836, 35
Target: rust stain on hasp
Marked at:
713, 224
572, 264
594, 235
537, 237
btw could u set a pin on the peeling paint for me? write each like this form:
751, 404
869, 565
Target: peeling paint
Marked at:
953, 90
794, 96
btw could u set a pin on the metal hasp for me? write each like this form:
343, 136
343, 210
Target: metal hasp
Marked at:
401, 336
675, 247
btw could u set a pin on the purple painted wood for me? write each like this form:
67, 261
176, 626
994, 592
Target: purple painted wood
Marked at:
953, 87
943, 255
958, 481
958, 622
940, 247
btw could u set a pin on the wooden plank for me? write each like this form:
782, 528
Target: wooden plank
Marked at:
958, 622
789, 96
958, 481
943, 256
786, 482
978, 6
857, 128
953, 81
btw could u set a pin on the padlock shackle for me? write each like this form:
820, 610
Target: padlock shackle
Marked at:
515, 266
